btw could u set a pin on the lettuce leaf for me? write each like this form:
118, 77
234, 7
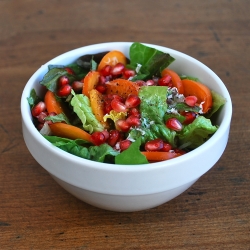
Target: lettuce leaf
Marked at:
196, 133
132, 155
81, 106
82, 148
153, 103
152, 61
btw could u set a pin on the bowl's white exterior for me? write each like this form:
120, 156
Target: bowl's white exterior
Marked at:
127, 187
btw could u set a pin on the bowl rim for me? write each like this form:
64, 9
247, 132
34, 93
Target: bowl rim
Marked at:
225, 123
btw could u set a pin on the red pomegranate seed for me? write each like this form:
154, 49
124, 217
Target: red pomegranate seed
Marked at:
107, 108
134, 112
117, 69
127, 73
64, 91
174, 124
122, 125
38, 108
118, 98
132, 101
114, 137
101, 88
63, 80
150, 82
180, 151
98, 138
105, 71
140, 83
189, 117
191, 100
166, 147
154, 145
133, 121
102, 79
42, 116
165, 81
70, 71
77, 86
118, 106
124, 144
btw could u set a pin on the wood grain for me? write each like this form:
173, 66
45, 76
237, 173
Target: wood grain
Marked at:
35, 213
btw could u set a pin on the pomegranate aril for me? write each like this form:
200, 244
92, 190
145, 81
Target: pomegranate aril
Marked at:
42, 116
124, 144
77, 86
38, 108
118, 106
150, 82
133, 121
189, 117
132, 101
105, 71
191, 100
64, 91
102, 79
140, 83
122, 125
117, 69
63, 80
69, 70
98, 138
114, 136
127, 73
101, 88
134, 112
154, 145
174, 124
165, 81
166, 147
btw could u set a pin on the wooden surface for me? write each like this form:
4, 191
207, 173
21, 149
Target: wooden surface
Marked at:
35, 213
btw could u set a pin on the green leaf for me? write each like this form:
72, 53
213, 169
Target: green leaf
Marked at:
132, 155
153, 103
197, 132
81, 106
152, 61
99, 153
58, 118
33, 99
218, 102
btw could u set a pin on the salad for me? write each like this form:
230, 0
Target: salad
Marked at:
109, 108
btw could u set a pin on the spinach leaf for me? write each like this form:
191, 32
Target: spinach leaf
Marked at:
33, 99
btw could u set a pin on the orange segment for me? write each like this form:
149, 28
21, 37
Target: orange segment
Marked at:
201, 91
52, 104
122, 87
159, 156
112, 58
175, 79
68, 131
90, 81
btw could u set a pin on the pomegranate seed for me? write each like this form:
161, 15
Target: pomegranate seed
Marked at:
122, 125
64, 91
166, 147
132, 101
98, 138
133, 121
118, 98
127, 73
140, 83
102, 79
118, 106
165, 81
124, 144
189, 117
105, 71
180, 151
154, 145
77, 86
134, 112
114, 136
191, 100
107, 108
63, 80
150, 82
70, 71
38, 108
106, 134
117, 69
42, 116
101, 88
174, 124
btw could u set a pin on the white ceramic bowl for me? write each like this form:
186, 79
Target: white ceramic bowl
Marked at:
127, 187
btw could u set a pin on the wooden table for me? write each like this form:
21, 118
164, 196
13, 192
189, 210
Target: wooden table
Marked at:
35, 213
